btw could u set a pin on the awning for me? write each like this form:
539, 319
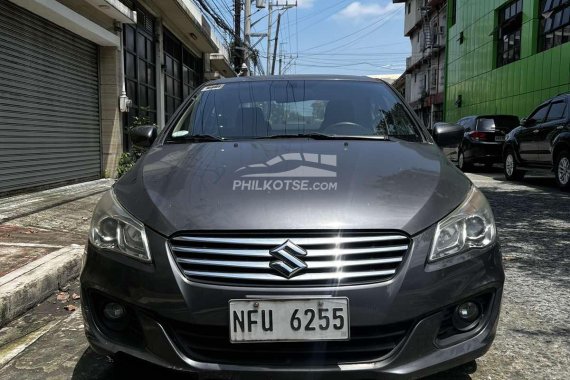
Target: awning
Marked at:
219, 63
60, 15
115, 10
188, 20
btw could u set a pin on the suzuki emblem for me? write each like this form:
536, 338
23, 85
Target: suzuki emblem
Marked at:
288, 256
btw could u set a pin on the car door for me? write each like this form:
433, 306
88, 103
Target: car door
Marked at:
452, 152
469, 125
552, 126
528, 136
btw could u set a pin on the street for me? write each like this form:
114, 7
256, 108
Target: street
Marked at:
533, 339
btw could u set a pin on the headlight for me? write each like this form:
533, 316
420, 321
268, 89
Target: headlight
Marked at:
471, 225
114, 229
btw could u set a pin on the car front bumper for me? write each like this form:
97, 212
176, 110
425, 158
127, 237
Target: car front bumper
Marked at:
157, 297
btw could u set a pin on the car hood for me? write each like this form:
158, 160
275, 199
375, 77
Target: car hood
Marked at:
292, 184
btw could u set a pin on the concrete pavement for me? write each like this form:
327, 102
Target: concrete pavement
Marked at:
41, 241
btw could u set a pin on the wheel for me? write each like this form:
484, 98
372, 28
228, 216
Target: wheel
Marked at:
562, 170
461, 164
512, 173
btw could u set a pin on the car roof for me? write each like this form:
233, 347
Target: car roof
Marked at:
479, 116
297, 77
562, 95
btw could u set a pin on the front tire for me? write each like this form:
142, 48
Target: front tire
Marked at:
461, 164
562, 170
511, 170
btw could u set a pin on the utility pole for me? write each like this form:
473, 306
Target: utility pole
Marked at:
247, 33
238, 53
275, 44
269, 27
281, 59
270, 5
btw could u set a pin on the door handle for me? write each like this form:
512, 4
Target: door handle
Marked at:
535, 131
560, 127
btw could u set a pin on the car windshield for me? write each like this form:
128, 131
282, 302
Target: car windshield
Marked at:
502, 123
265, 109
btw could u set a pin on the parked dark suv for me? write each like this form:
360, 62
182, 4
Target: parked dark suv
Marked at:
293, 227
483, 140
542, 142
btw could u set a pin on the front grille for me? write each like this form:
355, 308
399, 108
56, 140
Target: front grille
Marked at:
332, 259
211, 344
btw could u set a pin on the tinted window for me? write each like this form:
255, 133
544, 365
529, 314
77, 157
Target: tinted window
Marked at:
539, 115
468, 124
503, 123
556, 111
254, 109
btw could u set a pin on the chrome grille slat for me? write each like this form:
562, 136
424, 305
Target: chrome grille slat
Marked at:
302, 241
244, 259
311, 264
300, 278
310, 252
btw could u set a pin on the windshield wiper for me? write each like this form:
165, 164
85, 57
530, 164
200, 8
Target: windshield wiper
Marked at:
196, 138
322, 136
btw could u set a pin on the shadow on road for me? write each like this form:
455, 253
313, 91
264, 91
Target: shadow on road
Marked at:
533, 221
460, 373
93, 366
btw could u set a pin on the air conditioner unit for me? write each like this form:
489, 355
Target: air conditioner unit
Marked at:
260, 3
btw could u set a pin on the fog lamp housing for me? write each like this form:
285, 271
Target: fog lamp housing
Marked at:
114, 311
467, 316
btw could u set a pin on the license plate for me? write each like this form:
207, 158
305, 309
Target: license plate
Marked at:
289, 320
499, 138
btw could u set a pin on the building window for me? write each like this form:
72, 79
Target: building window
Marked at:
182, 73
453, 4
510, 26
409, 6
554, 24
140, 67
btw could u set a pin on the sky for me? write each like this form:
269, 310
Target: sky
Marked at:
362, 37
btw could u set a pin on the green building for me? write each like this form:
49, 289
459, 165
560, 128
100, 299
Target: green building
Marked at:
505, 57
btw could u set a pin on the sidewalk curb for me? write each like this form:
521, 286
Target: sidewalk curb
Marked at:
24, 288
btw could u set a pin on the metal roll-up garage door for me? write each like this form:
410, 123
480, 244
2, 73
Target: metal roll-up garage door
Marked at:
49, 103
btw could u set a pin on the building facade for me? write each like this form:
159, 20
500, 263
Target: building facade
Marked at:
74, 74
505, 57
425, 25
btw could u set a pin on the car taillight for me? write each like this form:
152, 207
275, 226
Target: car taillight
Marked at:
478, 136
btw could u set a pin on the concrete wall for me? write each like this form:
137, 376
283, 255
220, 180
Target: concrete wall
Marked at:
413, 16
90, 12
111, 124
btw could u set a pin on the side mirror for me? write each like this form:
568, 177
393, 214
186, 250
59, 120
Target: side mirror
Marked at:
143, 136
448, 135
523, 122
